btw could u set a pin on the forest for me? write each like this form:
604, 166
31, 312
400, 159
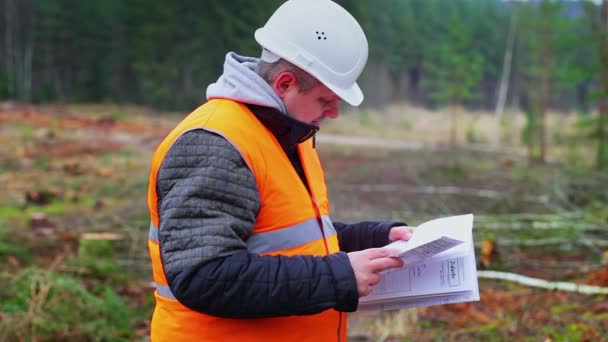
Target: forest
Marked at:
492, 107
163, 53
481, 54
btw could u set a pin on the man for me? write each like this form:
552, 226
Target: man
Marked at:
241, 242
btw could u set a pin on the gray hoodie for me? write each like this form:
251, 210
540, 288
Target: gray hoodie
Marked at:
241, 83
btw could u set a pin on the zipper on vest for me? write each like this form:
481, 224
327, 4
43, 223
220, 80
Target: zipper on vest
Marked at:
320, 222
304, 179
339, 325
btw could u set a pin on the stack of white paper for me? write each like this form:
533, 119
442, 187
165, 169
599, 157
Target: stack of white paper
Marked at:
439, 268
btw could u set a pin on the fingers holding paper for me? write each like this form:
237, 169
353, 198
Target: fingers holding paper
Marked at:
368, 263
400, 233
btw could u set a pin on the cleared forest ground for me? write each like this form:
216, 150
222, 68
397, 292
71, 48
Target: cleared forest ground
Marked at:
74, 224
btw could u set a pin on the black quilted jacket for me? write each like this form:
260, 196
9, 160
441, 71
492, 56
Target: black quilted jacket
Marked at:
208, 202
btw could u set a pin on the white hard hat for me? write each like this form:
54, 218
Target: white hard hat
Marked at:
322, 39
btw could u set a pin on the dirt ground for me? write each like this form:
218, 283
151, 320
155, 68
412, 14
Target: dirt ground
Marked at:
406, 184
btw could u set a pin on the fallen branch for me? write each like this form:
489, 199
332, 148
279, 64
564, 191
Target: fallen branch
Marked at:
544, 284
454, 190
416, 146
579, 226
550, 241
441, 190
445, 190
531, 217
102, 236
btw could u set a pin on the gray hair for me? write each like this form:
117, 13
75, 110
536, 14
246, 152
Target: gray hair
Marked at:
270, 70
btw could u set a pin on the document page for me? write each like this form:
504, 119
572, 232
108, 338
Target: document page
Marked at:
425, 278
412, 254
440, 268
455, 227
414, 302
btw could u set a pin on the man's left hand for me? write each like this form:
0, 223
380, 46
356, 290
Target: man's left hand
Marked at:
400, 233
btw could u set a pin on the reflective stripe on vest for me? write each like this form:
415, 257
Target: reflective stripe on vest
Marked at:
288, 237
164, 291
153, 235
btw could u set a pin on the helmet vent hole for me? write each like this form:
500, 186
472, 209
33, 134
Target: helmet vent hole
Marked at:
321, 35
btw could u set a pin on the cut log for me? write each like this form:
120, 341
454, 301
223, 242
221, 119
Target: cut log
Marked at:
544, 284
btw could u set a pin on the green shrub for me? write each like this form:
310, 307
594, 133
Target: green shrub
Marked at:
473, 135
96, 258
40, 305
11, 249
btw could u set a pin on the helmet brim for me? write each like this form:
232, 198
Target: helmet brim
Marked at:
353, 95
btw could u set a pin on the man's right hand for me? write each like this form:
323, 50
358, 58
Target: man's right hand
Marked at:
367, 263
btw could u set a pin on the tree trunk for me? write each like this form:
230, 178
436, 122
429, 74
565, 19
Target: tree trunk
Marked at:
414, 74
544, 95
28, 49
454, 114
18, 47
504, 79
9, 45
582, 96
602, 118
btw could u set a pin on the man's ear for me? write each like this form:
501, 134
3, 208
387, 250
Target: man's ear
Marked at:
284, 83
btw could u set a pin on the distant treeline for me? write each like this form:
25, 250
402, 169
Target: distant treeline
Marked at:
429, 52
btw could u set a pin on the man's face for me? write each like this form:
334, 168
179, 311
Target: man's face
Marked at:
312, 106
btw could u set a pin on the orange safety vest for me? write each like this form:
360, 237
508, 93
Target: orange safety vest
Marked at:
291, 221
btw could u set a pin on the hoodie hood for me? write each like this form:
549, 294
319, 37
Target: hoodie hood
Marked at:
241, 83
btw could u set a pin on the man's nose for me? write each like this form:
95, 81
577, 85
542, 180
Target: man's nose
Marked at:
333, 111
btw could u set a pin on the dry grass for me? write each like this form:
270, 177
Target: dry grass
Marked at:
400, 121
407, 122
21, 326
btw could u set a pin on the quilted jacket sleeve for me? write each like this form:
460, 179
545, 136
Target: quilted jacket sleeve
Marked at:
208, 201
363, 235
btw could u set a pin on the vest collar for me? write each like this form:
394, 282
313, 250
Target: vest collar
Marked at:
288, 131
